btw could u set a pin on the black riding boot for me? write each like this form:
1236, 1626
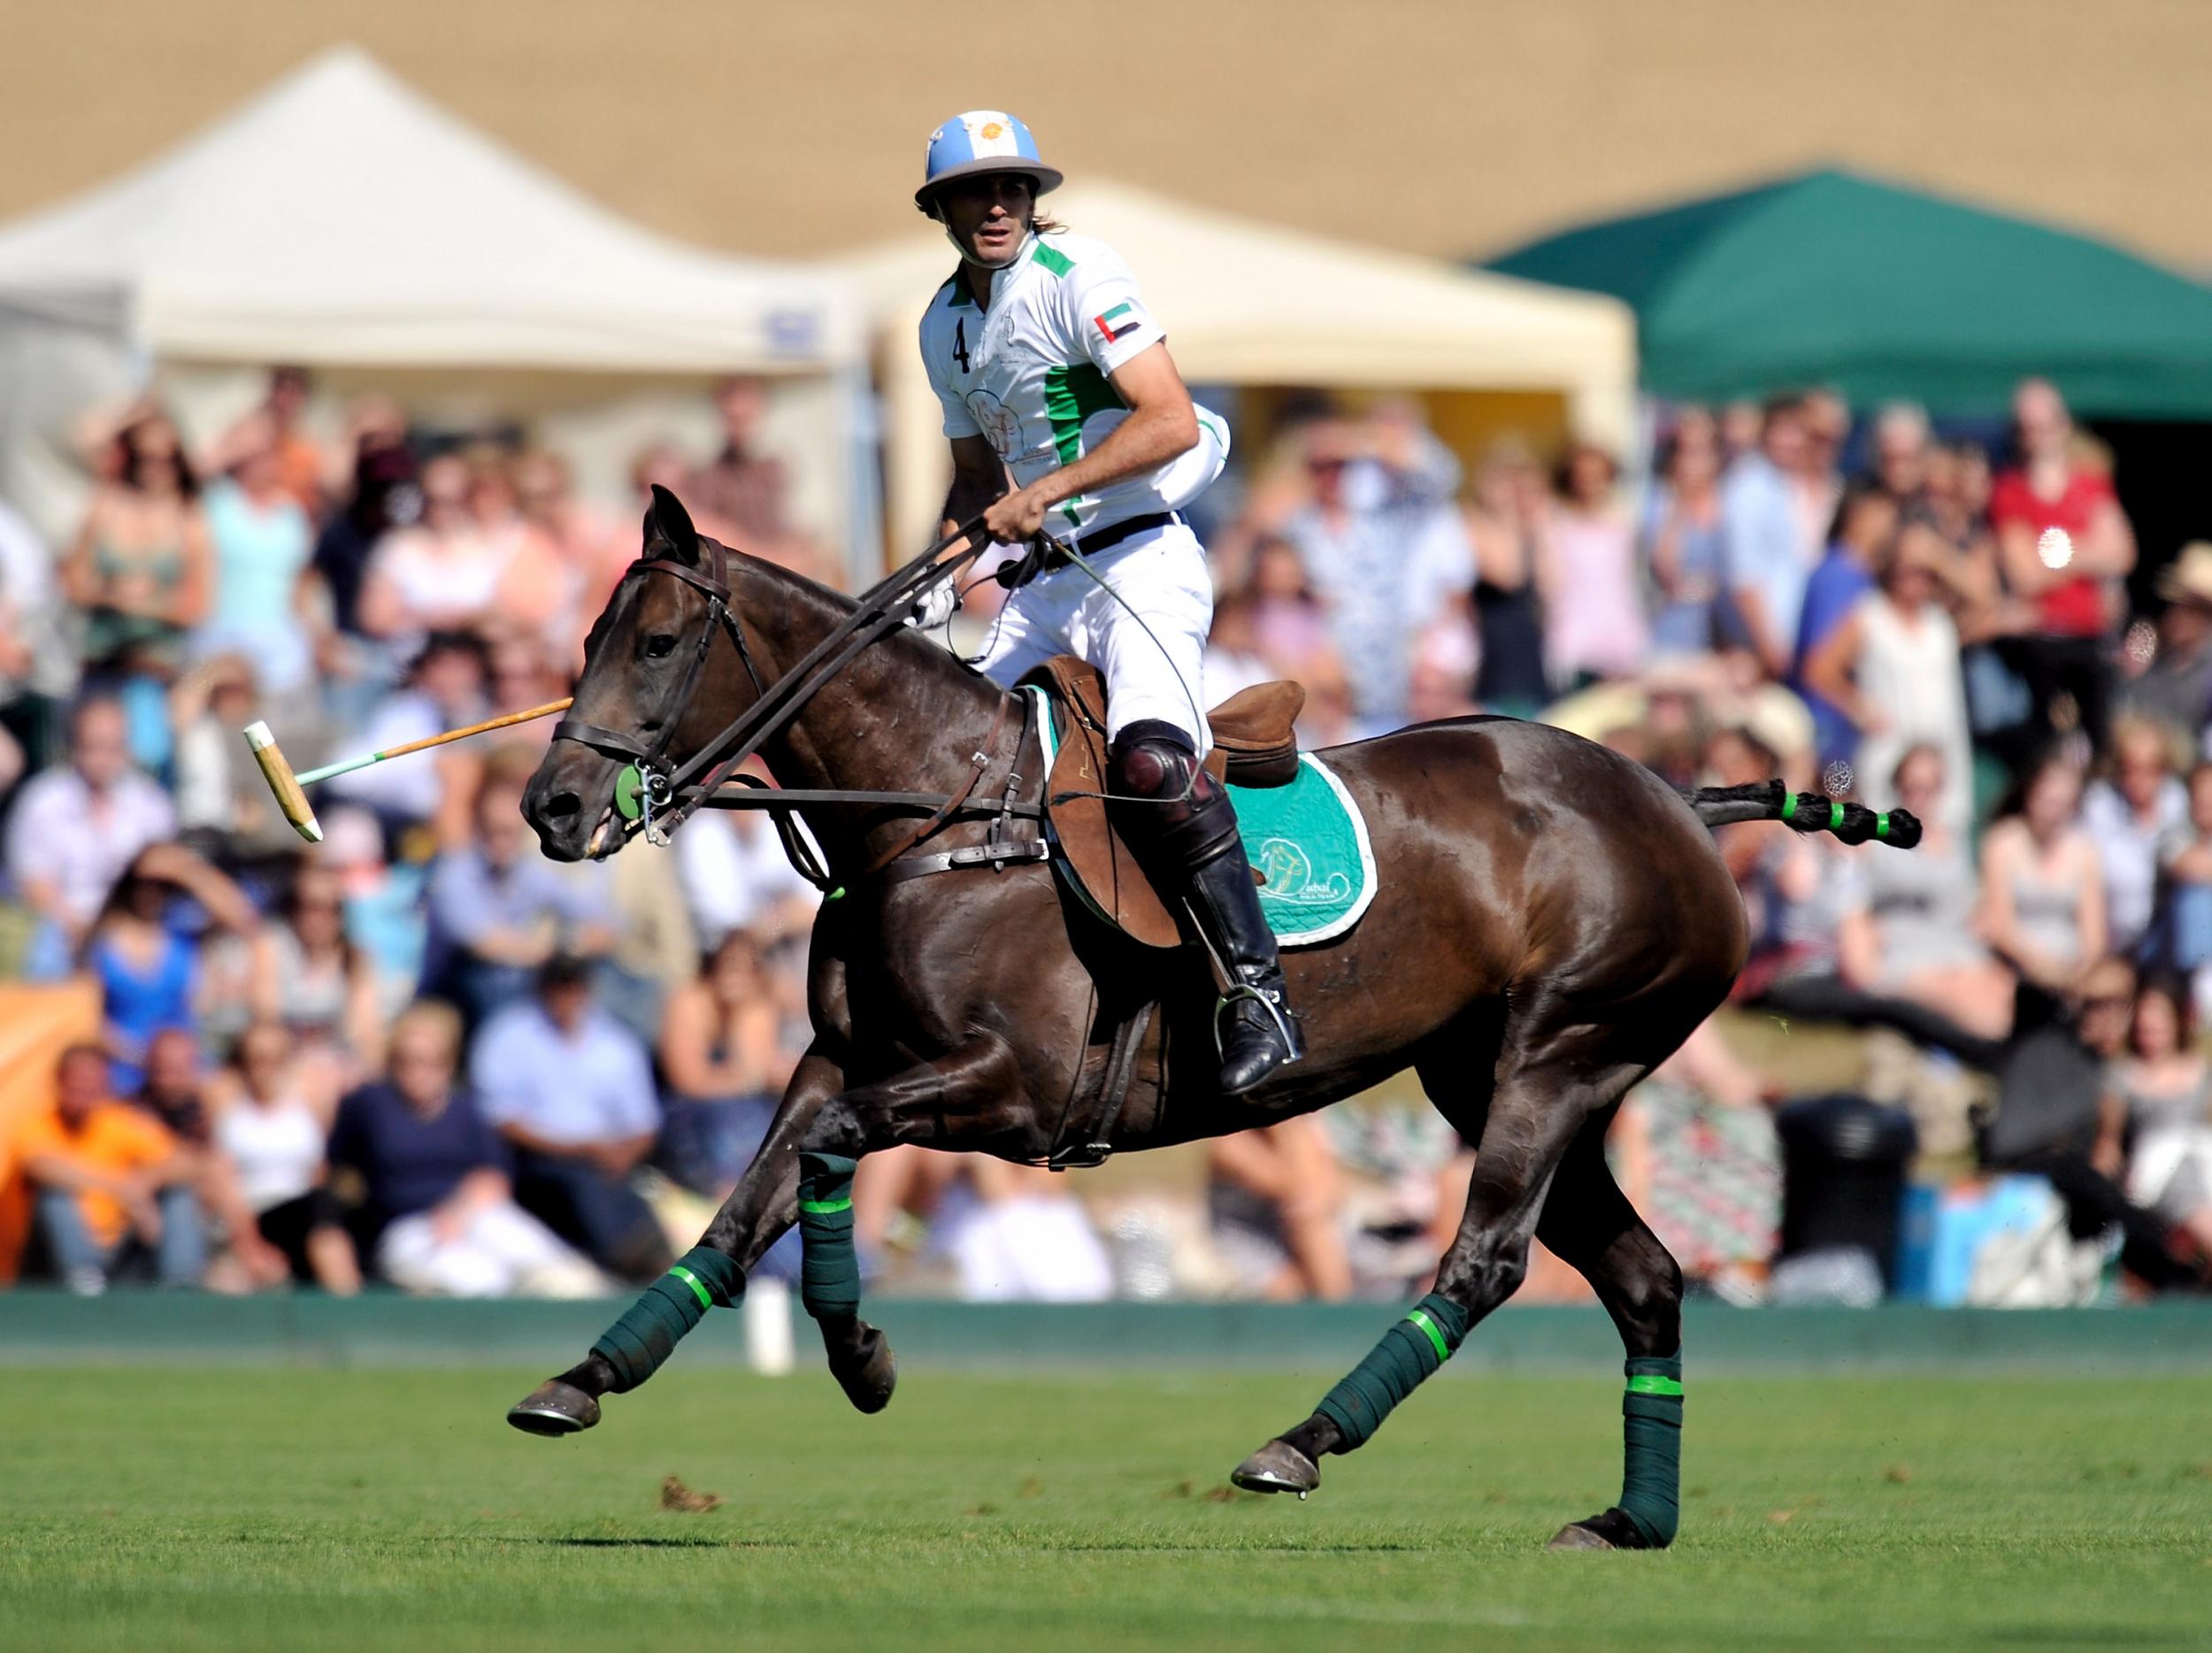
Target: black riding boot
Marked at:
1178, 821
1255, 1027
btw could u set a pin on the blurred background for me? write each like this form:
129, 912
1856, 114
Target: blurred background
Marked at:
1823, 393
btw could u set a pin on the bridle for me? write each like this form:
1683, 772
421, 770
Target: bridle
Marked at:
657, 785
673, 795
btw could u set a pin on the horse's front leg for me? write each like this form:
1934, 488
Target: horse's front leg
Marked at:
967, 1095
760, 1207
803, 1172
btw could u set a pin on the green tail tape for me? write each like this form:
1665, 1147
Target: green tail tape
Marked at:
1651, 1431
1410, 1352
639, 1344
829, 1269
1881, 824
1789, 805
1835, 816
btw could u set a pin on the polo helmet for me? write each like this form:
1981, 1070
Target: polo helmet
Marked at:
981, 141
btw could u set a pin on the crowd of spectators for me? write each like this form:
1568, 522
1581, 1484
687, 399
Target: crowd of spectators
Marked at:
426, 1056
420, 1053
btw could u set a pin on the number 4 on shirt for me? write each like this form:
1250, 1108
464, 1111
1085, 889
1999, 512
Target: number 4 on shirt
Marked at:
960, 343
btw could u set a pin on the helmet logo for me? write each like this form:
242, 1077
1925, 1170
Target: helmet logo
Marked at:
992, 129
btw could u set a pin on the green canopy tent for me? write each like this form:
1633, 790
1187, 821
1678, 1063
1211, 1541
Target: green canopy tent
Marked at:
1881, 292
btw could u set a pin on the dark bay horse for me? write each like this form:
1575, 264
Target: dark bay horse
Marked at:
1553, 922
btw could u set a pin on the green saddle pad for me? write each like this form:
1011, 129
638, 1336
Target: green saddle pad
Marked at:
1311, 840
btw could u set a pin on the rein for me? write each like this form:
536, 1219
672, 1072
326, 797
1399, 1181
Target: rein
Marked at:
877, 611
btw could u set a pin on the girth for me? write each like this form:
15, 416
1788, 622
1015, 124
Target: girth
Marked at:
1094, 1143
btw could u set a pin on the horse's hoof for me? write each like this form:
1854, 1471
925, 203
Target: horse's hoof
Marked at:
869, 1379
1613, 1530
1277, 1466
1580, 1535
554, 1408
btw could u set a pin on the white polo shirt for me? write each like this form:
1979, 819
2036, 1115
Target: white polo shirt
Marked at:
63, 834
1030, 374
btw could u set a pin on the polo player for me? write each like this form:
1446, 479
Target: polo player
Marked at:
1067, 416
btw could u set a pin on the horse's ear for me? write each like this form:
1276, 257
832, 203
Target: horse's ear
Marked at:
667, 519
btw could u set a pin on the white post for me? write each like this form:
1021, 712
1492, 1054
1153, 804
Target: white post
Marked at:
768, 1327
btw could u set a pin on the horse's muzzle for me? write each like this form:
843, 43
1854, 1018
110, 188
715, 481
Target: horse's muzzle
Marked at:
570, 803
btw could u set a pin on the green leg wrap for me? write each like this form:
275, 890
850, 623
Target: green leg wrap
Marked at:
829, 1272
637, 1344
1651, 1481
1410, 1351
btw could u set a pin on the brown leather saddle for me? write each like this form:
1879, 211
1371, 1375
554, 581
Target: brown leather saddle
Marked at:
1254, 745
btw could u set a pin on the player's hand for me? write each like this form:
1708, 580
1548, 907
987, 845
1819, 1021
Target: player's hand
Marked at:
1016, 517
936, 606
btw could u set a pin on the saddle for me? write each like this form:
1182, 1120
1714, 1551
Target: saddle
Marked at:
1254, 745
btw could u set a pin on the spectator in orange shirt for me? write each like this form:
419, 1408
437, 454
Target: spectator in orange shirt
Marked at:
113, 1186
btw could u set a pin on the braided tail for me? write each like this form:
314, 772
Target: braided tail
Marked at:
1803, 811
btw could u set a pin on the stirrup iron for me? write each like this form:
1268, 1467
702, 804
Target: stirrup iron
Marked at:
1272, 1002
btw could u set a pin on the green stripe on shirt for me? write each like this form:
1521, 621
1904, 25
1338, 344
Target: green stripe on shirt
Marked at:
1072, 396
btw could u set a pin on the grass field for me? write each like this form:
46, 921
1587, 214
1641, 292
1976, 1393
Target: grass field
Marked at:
264, 1507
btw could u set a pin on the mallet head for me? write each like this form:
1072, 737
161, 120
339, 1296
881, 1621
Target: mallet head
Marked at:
291, 797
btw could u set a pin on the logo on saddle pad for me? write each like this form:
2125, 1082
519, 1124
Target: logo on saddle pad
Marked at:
1289, 874
1309, 842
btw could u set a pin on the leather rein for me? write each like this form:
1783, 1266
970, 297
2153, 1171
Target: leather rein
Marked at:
673, 794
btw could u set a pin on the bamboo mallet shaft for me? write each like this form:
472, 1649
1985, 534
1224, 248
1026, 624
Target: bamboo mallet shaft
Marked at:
290, 788
347, 765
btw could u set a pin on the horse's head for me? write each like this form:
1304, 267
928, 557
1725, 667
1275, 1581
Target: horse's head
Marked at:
641, 668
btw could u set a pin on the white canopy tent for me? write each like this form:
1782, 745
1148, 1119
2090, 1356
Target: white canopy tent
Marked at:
342, 221
1246, 303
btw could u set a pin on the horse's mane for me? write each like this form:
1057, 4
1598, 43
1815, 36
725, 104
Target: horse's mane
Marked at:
757, 584
916, 652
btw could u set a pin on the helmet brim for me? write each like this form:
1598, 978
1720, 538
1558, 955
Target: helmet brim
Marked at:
1046, 177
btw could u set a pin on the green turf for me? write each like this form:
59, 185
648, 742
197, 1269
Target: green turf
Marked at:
220, 1510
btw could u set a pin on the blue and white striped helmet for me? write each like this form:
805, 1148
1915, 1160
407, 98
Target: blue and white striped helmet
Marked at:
982, 140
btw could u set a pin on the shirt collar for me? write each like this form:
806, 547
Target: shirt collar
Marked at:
963, 296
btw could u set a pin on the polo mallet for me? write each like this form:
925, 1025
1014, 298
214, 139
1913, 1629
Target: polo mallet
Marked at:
291, 789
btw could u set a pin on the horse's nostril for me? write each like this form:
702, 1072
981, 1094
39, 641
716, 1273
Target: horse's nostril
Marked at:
562, 806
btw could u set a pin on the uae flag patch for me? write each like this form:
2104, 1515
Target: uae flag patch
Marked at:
1118, 323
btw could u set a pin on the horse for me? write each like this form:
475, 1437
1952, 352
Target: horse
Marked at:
1553, 922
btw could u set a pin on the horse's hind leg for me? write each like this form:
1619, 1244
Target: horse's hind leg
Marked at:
1546, 1087
1588, 1221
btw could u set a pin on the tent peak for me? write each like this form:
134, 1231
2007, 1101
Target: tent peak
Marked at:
338, 216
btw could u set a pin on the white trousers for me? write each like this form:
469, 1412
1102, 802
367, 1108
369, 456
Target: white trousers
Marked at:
503, 1252
2170, 1170
1147, 634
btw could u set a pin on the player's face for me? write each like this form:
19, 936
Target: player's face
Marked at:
988, 215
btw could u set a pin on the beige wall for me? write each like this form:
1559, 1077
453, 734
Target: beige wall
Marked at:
1437, 128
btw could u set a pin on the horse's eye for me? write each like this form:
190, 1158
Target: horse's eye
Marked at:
659, 647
